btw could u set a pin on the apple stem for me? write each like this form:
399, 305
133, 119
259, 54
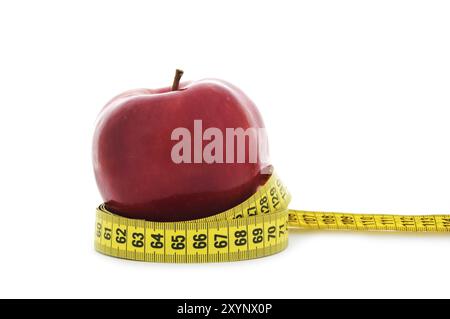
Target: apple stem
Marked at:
176, 79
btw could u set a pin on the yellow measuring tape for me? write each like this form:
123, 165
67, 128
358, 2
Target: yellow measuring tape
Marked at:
255, 228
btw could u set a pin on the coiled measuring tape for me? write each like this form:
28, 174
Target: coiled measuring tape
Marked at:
257, 227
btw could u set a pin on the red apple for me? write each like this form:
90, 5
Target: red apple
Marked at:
132, 147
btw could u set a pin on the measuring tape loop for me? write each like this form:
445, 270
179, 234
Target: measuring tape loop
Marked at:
256, 228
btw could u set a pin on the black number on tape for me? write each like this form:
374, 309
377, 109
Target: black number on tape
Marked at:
121, 237
271, 230
199, 241
220, 241
257, 235
99, 230
281, 230
107, 234
273, 194
178, 242
138, 240
282, 189
158, 244
427, 221
251, 211
241, 237
264, 205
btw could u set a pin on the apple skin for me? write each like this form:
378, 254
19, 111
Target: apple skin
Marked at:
132, 152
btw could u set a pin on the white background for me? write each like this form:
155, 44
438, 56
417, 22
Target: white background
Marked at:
355, 96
